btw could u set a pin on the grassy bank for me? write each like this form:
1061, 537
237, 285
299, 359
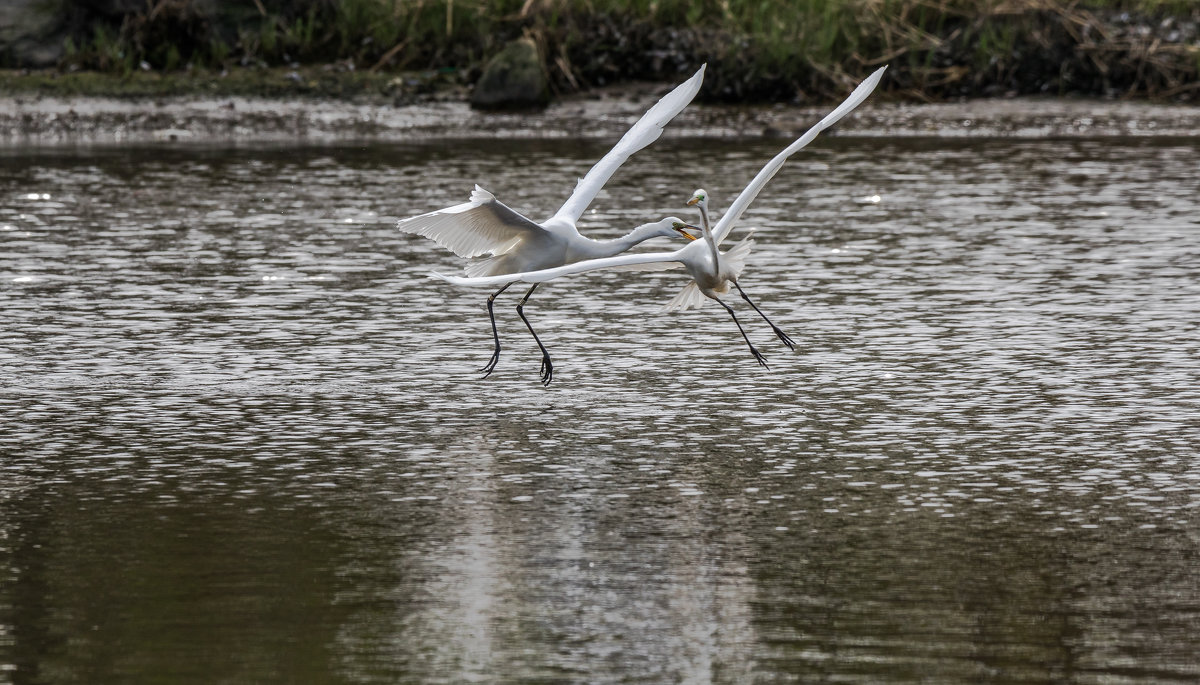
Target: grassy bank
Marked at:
758, 49
304, 81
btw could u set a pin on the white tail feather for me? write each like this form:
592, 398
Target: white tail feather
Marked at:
688, 298
735, 258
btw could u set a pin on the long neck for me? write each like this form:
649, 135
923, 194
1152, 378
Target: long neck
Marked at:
610, 248
708, 236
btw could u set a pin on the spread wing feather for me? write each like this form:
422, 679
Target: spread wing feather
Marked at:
483, 225
652, 266
864, 89
543, 275
645, 131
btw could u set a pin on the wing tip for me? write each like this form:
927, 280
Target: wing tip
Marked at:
480, 196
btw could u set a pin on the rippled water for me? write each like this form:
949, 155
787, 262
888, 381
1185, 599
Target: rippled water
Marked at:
244, 441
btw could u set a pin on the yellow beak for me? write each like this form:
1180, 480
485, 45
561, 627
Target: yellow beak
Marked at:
693, 201
685, 234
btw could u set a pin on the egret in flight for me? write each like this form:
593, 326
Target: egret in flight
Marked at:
712, 271
518, 244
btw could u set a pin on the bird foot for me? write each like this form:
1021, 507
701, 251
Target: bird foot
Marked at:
762, 361
547, 370
784, 338
491, 365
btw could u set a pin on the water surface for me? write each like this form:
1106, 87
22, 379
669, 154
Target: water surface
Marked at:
244, 439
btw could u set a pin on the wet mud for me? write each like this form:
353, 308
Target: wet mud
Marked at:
39, 120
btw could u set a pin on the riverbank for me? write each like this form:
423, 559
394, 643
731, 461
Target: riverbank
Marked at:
757, 50
600, 114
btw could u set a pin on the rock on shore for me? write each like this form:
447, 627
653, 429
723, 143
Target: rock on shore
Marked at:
513, 79
32, 32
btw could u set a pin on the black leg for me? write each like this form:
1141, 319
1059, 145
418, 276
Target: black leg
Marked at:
491, 365
758, 357
547, 370
783, 337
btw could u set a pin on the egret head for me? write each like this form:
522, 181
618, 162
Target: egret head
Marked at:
699, 199
678, 226
670, 227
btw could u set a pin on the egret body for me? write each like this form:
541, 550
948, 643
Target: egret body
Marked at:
485, 226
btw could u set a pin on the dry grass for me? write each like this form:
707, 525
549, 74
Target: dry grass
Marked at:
762, 49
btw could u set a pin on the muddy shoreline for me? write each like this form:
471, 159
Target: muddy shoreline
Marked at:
56, 121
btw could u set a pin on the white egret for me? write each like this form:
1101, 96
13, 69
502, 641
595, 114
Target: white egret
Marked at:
712, 271
516, 244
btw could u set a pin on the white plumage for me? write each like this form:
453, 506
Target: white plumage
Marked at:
734, 261
474, 228
515, 243
712, 271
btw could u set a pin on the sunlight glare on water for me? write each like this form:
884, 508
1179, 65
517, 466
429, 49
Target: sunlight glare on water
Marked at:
245, 438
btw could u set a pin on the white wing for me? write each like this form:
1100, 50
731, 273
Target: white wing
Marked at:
652, 266
725, 225
558, 272
645, 131
474, 228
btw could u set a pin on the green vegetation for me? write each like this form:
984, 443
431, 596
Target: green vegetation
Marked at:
762, 49
304, 81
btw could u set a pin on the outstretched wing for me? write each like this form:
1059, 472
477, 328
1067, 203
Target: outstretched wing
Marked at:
645, 131
725, 225
651, 266
483, 225
558, 272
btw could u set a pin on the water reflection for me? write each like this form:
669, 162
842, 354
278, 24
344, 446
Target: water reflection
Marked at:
244, 439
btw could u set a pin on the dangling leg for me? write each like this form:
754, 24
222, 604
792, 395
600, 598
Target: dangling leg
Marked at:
780, 334
761, 360
491, 365
547, 371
